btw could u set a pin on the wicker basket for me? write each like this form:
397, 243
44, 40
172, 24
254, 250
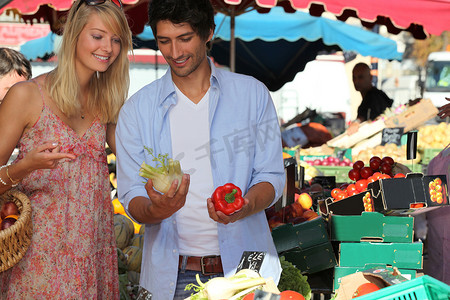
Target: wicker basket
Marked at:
14, 241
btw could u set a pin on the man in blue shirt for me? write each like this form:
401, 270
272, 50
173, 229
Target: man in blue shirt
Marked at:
223, 128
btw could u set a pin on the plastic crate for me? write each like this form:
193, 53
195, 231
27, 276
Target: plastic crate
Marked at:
421, 288
341, 172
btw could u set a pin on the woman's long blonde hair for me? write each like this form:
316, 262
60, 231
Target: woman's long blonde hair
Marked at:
108, 90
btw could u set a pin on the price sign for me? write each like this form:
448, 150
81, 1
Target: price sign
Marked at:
392, 136
251, 260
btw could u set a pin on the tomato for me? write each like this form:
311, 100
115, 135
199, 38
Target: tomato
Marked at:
361, 185
388, 159
353, 174
366, 172
359, 164
341, 195
375, 158
335, 192
385, 168
286, 295
375, 164
250, 296
365, 288
376, 175
438, 181
399, 175
351, 188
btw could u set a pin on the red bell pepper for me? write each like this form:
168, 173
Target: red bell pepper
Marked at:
228, 198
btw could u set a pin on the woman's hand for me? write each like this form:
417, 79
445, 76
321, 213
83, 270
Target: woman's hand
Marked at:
45, 156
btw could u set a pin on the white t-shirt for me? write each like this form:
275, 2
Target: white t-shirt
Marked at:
189, 129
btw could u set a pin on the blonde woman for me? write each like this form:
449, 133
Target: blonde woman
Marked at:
61, 122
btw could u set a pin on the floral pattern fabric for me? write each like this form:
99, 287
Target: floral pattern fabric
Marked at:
73, 251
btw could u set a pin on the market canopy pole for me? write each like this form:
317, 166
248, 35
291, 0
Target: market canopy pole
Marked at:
232, 41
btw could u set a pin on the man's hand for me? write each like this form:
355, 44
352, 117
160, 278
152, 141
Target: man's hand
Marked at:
353, 127
157, 206
165, 205
220, 217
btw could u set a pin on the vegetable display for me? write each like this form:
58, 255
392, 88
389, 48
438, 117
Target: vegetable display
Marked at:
165, 172
228, 198
232, 288
292, 279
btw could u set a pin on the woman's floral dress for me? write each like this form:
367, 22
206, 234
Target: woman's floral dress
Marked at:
73, 252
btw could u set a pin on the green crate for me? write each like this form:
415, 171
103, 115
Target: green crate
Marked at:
421, 288
340, 172
429, 154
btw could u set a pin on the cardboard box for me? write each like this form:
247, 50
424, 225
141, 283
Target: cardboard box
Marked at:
371, 226
400, 255
381, 277
301, 236
413, 116
398, 196
313, 259
340, 272
352, 205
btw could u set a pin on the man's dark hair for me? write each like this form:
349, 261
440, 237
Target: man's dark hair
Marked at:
12, 60
197, 13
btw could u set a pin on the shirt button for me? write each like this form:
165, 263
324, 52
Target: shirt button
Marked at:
174, 250
171, 284
174, 222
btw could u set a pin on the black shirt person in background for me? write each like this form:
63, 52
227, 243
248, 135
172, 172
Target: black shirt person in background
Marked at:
374, 101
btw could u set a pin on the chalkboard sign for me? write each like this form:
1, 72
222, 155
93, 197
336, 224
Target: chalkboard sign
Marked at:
392, 136
251, 260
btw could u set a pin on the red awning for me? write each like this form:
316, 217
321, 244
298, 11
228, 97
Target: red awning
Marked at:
420, 17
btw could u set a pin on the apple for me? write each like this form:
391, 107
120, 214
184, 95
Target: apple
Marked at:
8, 208
305, 200
7, 222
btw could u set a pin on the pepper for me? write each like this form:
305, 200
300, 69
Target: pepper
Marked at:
228, 198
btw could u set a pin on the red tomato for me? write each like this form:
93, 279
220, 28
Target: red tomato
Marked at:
399, 175
366, 172
285, 295
376, 175
361, 185
335, 192
375, 158
250, 296
358, 164
365, 288
353, 174
385, 168
351, 188
375, 164
388, 159
341, 195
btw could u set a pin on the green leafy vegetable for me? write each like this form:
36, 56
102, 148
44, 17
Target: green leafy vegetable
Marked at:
292, 279
165, 172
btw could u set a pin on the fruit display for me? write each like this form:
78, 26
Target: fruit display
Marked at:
332, 161
298, 212
9, 214
398, 154
433, 136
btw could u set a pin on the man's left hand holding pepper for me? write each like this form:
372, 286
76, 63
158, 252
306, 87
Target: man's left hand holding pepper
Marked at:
257, 199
